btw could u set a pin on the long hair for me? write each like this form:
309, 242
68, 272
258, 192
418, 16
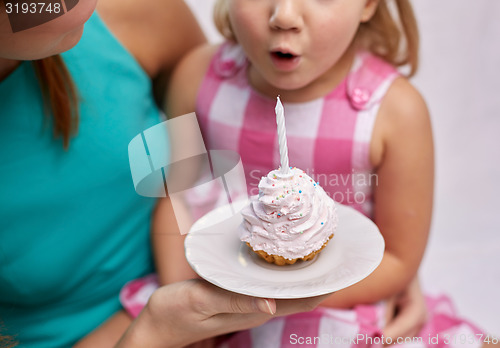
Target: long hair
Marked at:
59, 95
391, 33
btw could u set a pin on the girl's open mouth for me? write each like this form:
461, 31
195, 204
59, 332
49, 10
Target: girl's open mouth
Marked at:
285, 61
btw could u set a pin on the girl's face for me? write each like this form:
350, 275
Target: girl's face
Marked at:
52, 37
292, 43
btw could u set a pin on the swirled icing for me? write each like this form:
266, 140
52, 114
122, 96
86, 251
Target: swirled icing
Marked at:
291, 217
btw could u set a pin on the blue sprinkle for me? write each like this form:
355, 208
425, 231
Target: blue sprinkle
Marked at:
322, 223
300, 191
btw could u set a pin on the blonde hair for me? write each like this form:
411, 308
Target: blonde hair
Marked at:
391, 33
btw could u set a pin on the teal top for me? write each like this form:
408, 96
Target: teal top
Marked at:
72, 229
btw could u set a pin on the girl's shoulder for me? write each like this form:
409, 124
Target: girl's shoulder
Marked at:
403, 117
403, 106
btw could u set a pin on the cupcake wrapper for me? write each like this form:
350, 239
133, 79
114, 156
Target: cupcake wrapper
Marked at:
281, 261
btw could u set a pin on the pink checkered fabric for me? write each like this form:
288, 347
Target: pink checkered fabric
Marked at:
361, 327
328, 137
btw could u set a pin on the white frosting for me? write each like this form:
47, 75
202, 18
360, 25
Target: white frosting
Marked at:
291, 217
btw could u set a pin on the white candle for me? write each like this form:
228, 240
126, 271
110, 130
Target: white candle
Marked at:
280, 120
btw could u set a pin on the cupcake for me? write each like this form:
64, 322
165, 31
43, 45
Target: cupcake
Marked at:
291, 219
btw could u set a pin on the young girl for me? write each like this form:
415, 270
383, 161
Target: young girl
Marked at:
353, 123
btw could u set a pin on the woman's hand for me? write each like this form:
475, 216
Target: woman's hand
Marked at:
186, 312
406, 312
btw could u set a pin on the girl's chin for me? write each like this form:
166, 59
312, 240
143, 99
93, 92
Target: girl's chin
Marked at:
269, 81
288, 85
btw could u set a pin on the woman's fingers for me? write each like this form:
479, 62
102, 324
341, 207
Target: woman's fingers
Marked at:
234, 321
209, 300
226, 322
222, 301
286, 307
194, 310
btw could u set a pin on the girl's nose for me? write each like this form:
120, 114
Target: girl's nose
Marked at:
286, 15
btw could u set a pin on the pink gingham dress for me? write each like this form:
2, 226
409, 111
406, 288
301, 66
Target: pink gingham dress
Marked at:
329, 138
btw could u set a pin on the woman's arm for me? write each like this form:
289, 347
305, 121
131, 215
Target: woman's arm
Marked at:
108, 333
402, 151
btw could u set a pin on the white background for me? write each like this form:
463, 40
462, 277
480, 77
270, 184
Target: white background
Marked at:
460, 80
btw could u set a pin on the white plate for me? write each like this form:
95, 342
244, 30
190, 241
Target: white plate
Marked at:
215, 252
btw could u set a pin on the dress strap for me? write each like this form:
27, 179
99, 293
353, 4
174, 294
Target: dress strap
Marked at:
369, 80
